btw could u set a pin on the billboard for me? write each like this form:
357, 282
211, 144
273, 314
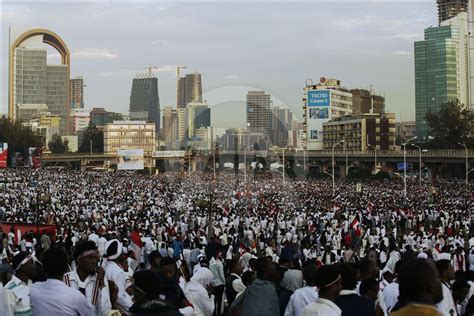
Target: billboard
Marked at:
402, 167
130, 159
318, 98
3, 155
318, 113
168, 154
34, 157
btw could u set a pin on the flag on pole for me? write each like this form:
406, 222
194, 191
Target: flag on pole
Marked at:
355, 223
137, 246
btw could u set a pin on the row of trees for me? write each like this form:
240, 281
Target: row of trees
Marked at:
19, 138
92, 139
452, 124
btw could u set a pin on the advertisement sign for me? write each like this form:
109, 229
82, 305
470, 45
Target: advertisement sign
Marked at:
130, 159
3, 155
318, 98
34, 154
402, 167
318, 113
168, 154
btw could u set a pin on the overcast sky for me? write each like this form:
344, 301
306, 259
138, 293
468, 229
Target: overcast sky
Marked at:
239, 46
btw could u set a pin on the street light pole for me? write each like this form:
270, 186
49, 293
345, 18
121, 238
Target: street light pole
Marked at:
419, 162
245, 164
284, 180
304, 161
375, 154
467, 163
405, 166
333, 167
347, 159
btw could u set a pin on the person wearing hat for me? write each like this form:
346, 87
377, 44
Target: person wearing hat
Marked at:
90, 279
115, 271
16, 294
329, 283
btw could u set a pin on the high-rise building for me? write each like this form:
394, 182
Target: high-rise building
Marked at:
189, 89
323, 102
448, 9
182, 124
57, 96
442, 69
280, 122
144, 101
258, 111
25, 112
363, 101
32, 81
170, 127
77, 93
199, 116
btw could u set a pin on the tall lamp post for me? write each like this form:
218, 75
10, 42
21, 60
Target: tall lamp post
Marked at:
333, 167
405, 166
467, 163
419, 162
284, 180
375, 157
304, 161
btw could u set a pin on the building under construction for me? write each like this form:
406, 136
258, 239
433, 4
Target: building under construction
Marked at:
450, 8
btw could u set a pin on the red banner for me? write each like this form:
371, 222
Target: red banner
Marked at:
3, 155
26, 228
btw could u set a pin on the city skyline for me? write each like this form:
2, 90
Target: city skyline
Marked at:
231, 59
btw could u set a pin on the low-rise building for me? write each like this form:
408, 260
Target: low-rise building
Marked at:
405, 130
80, 119
129, 135
361, 132
100, 116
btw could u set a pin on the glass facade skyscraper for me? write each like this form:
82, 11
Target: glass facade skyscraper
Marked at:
441, 69
144, 101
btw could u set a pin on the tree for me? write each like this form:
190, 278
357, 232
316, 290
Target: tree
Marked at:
18, 137
450, 125
57, 145
92, 133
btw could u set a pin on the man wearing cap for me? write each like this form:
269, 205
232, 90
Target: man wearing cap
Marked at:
90, 279
329, 283
16, 298
114, 271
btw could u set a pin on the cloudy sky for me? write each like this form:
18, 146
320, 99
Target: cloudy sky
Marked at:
238, 46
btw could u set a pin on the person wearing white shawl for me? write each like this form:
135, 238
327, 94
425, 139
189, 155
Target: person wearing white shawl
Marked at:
196, 293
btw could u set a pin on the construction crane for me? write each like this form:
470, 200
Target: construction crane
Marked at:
178, 69
178, 75
148, 69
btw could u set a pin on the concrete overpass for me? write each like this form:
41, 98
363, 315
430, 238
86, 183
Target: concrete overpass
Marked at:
322, 159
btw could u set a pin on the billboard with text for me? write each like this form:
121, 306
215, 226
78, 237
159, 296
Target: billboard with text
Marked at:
318, 98
130, 159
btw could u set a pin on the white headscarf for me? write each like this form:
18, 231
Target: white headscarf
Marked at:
203, 276
292, 280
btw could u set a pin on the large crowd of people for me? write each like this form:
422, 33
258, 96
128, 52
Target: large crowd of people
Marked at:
127, 244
